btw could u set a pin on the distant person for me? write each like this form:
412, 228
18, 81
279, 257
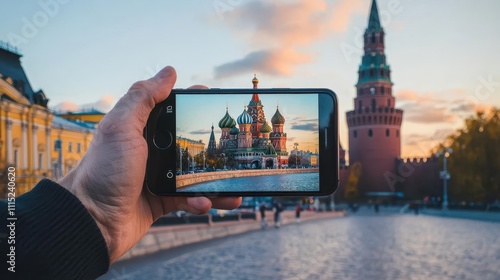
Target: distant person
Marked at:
298, 209
77, 227
277, 215
262, 210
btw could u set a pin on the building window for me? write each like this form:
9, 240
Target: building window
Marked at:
382, 72
387, 132
370, 133
78, 147
355, 134
371, 72
388, 103
381, 38
70, 147
382, 89
40, 161
374, 104
397, 133
373, 38
360, 104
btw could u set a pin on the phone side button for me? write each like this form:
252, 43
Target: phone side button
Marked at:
162, 140
170, 174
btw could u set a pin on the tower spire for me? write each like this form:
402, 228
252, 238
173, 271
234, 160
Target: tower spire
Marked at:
374, 21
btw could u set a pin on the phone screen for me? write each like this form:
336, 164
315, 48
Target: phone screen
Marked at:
252, 142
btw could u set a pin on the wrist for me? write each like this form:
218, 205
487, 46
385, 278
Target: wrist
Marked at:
72, 184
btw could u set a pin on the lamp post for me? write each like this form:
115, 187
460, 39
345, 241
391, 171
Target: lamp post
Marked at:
445, 175
203, 161
224, 159
180, 159
295, 146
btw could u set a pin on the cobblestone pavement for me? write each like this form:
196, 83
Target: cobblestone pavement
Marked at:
361, 246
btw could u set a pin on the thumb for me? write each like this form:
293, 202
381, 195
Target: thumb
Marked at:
135, 106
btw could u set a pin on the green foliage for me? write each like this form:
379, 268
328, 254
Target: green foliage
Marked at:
351, 191
474, 164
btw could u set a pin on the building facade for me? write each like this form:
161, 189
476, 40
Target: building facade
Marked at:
375, 123
33, 140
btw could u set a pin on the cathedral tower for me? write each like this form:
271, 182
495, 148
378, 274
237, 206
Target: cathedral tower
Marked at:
374, 124
255, 109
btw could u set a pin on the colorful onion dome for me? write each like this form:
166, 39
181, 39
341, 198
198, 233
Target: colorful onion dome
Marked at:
265, 128
234, 130
245, 118
277, 118
227, 121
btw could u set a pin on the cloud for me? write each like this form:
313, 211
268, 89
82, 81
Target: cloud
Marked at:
104, 105
201, 131
422, 145
306, 126
274, 62
425, 107
285, 29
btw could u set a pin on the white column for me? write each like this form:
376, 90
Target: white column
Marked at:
35, 148
9, 143
24, 127
47, 141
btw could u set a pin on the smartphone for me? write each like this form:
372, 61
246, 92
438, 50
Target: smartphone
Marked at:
243, 142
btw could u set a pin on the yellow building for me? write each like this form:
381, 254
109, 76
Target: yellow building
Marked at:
194, 147
33, 140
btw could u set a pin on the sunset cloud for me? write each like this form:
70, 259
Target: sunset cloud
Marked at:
281, 31
104, 104
433, 107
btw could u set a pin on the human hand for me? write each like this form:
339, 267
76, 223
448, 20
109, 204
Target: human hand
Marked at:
109, 178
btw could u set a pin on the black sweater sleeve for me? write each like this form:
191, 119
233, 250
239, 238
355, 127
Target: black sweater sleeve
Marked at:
48, 234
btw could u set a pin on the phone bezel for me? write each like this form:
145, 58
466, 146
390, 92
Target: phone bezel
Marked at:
160, 185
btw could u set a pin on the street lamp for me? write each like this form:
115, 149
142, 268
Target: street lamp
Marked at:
445, 175
180, 159
204, 162
224, 159
295, 146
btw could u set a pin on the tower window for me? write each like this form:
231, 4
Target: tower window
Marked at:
355, 133
362, 73
370, 133
360, 104
382, 72
387, 132
371, 72
388, 103
382, 89
374, 104
373, 38
381, 38
397, 133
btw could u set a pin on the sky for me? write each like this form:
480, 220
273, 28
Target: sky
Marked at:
196, 114
443, 54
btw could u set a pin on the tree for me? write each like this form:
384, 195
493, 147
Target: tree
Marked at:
474, 164
351, 191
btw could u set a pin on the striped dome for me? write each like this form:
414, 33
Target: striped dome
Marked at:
227, 121
245, 118
265, 128
277, 118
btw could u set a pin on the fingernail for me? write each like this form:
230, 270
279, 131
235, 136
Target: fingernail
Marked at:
165, 72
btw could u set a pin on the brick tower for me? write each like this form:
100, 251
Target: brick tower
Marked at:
374, 124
